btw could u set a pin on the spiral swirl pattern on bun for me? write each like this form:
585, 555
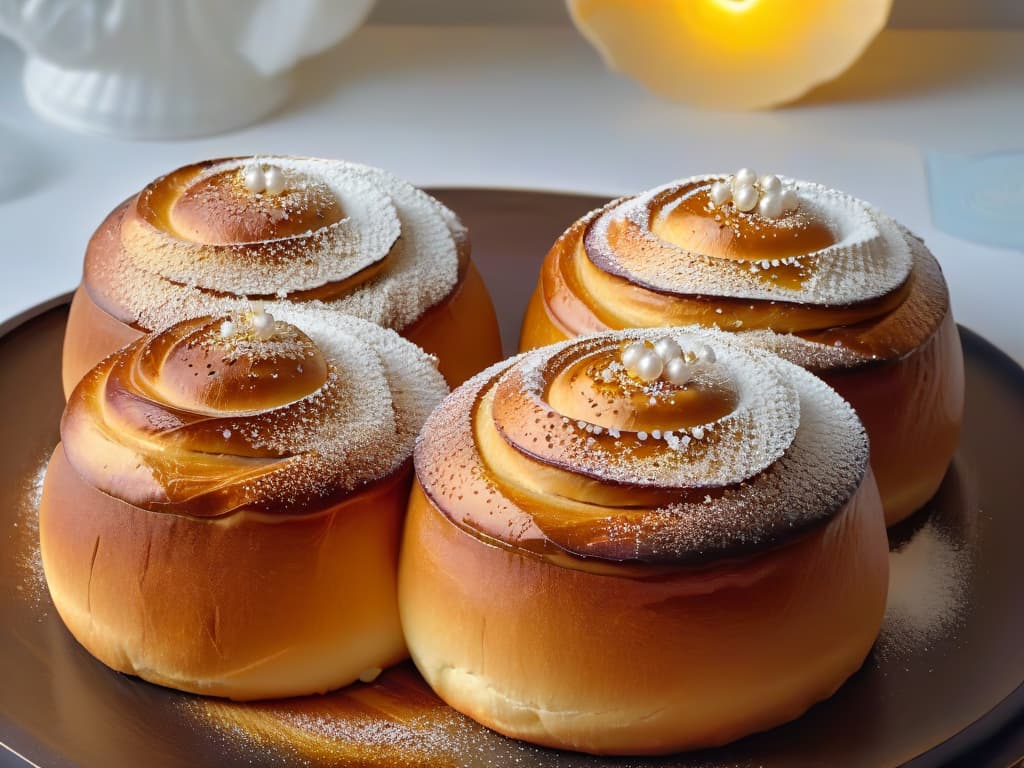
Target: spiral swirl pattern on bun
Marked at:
208, 238
653, 480
823, 279
746, 451
334, 225
275, 423
663, 240
223, 512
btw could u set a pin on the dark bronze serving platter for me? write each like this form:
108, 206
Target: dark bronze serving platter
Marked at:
942, 687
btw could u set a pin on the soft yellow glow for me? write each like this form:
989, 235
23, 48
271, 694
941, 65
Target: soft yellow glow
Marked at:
736, 6
730, 53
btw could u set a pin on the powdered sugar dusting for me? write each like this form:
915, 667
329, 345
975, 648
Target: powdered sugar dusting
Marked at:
870, 258
812, 481
812, 355
814, 472
157, 278
746, 441
928, 579
332, 252
394, 723
409, 384
895, 334
30, 562
359, 425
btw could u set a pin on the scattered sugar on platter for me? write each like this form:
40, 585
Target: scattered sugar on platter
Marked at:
927, 591
30, 562
932, 559
397, 721
103, 713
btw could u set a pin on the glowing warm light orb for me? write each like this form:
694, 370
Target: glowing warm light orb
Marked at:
736, 54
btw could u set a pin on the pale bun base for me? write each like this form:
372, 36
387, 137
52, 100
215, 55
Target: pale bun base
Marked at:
912, 408
616, 664
250, 606
461, 331
90, 335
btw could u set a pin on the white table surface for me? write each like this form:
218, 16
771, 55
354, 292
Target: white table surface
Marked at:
533, 107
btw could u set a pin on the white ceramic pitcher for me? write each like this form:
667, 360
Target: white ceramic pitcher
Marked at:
168, 68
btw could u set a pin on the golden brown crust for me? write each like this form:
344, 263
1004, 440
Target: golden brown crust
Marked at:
614, 661
248, 606
462, 331
580, 297
223, 513
686, 540
770, 452
193, 420
91, 334
219, 209
901, 343
912, 409
356, 239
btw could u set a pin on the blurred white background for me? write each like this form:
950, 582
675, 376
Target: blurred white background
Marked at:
471, 93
